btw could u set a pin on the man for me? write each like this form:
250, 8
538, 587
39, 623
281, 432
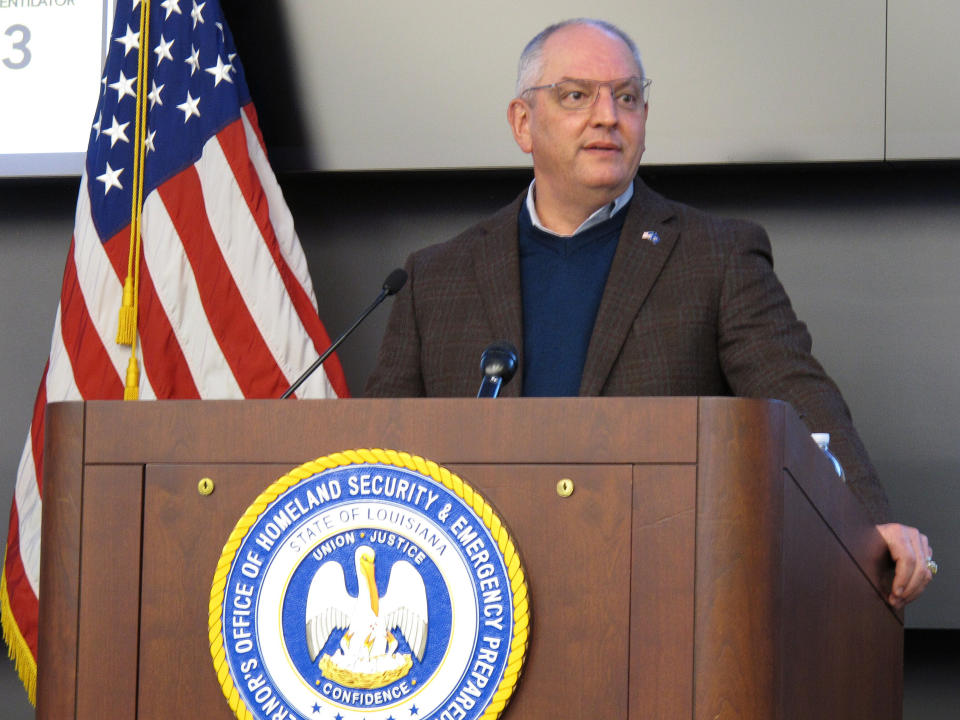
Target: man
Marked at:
608, 288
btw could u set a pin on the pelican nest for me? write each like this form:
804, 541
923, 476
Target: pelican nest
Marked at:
364, 680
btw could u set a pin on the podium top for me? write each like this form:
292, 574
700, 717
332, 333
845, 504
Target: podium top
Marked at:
527, 430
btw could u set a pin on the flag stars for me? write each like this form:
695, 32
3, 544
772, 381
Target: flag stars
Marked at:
154, 95
96, 125
130, 41
148, 141
124, 86
116, 131
220, 72
194, 60
162, 51
189, 107
197, 13
110, 179
171, 6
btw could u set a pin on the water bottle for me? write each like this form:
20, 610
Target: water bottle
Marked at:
823, 441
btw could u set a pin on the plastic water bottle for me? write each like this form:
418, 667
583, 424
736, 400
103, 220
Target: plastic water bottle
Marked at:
823, 441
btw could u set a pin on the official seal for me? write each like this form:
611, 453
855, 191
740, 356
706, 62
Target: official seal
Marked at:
369, 585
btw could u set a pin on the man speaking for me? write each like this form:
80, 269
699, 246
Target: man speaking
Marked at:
608, 288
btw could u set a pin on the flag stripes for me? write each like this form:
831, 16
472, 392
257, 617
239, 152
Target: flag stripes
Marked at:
226, 307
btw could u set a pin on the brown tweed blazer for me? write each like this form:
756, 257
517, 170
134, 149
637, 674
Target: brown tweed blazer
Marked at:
700, 312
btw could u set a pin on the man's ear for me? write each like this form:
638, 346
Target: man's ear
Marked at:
518, 115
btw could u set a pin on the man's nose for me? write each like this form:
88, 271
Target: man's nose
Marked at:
604, 109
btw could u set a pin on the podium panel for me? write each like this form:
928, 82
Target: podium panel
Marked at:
706, 564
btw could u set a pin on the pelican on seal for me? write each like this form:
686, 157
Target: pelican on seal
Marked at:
368, 646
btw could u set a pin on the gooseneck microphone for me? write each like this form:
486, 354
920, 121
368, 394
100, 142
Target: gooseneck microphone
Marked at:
391, 286
498, 363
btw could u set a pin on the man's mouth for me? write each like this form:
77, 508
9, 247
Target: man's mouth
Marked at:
601, 146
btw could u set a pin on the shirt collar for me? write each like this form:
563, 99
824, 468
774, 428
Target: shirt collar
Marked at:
604, 213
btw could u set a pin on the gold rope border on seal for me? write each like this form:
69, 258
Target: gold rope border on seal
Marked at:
511, 559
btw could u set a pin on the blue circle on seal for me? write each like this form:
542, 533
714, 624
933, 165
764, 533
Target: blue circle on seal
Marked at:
367, 591
387, 546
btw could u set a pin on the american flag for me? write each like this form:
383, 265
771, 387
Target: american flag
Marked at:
226, 305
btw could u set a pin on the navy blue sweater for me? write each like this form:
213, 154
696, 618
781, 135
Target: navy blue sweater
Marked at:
563, 280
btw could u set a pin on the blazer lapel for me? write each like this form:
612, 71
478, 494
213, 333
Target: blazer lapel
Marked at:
636, 266
496, 261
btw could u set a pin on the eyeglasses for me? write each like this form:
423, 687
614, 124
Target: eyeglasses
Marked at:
630, 93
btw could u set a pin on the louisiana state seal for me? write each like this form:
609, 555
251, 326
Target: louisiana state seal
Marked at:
369, 585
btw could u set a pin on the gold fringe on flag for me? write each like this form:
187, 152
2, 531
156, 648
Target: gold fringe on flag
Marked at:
127, 323
127, 327
131, 391
17, 647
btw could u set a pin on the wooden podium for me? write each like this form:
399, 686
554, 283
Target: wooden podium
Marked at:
708, 563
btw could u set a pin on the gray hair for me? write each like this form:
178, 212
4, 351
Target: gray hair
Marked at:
531, 59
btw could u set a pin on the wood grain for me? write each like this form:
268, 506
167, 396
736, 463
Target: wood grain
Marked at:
508, 430
704, 566
662, 592
60, 561
107, 652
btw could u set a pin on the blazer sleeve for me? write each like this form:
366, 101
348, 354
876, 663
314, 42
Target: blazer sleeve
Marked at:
765, 351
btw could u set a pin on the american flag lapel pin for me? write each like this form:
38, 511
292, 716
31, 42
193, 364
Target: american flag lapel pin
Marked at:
652, 236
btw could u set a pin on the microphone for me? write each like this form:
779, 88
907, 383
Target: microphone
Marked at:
391, 286
498, 363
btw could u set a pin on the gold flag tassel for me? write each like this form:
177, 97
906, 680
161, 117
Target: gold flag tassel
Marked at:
131, 390
127, 324
127, 321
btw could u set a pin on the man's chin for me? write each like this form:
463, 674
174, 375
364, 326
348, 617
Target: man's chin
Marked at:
610, 183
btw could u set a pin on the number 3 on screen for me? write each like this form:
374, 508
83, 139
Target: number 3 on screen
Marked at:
19, 45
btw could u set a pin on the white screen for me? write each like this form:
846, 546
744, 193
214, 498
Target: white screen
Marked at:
51, 54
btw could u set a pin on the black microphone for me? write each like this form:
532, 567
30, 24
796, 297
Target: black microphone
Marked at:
498, 363
391, 286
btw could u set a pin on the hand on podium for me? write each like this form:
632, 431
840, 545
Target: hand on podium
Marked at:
915, 567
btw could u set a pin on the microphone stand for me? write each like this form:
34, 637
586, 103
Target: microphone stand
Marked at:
391, 286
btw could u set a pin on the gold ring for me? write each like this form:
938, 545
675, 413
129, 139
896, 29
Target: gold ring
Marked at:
932, 566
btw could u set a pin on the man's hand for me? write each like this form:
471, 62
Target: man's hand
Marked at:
911, 552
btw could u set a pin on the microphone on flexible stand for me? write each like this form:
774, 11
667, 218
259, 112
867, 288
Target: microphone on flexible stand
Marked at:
391, 286
498, 363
